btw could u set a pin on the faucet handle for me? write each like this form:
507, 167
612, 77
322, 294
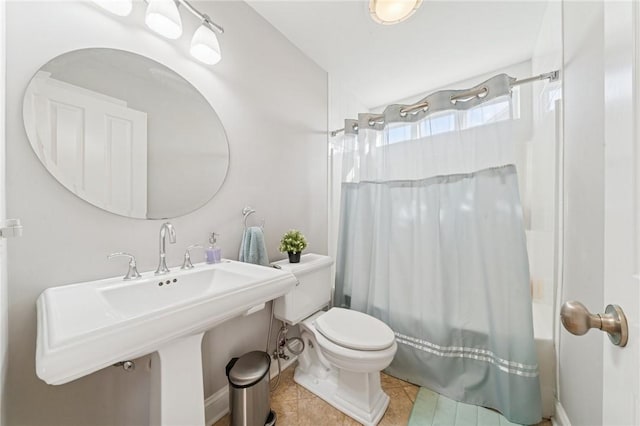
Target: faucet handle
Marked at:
186, 263
132, 273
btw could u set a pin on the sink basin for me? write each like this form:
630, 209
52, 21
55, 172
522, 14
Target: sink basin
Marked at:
154, 294
87, 326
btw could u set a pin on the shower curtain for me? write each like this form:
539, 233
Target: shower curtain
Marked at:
431, 241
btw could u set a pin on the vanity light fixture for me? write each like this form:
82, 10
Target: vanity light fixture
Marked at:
205, 46
389, 12
162, 17
117, 7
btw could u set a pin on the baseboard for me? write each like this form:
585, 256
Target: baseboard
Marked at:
217, 405
560, 418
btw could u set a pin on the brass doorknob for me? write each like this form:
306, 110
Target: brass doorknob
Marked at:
577, 319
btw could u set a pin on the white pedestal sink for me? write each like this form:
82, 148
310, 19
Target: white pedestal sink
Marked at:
85, 327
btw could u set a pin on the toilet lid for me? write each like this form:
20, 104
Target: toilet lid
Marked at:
354, 330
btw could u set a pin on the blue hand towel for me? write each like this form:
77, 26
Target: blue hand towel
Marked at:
252, 247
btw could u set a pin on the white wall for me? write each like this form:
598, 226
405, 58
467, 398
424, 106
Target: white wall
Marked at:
273, 103
580, 358
3, 244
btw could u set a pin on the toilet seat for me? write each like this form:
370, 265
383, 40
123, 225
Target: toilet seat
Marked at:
354, 330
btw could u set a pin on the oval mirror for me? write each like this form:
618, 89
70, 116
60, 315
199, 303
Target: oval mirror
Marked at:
125, 133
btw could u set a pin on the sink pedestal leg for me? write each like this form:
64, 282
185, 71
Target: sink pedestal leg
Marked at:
177, 392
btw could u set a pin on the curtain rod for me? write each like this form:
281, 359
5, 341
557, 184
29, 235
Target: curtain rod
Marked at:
551, 76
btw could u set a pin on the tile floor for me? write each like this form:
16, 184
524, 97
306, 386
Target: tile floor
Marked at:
295, 406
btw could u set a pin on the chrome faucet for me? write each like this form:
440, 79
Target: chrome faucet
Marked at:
162, 265
132, 273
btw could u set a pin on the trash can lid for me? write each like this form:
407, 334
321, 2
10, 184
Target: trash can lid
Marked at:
249, 369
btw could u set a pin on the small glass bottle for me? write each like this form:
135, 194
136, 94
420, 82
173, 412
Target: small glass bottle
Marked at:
217, 251
212, 253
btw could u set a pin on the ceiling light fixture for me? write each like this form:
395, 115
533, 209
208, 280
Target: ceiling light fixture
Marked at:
117, 7
389, 12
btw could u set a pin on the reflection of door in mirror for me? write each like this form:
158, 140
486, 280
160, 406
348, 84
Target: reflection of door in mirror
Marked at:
111, 171
125, 133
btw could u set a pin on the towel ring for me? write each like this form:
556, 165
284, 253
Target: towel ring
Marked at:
248, 211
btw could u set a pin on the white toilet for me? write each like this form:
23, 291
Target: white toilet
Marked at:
344, 351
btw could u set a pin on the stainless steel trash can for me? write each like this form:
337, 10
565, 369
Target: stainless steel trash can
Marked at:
249, 390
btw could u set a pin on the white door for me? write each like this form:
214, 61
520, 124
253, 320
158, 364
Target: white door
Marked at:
93, 144
4, 306
621, 366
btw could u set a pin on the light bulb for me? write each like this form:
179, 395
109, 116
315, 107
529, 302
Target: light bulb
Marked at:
162, 16
205, 46
117, 7
392, 11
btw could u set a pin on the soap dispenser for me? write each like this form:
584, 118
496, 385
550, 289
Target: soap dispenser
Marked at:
213, 253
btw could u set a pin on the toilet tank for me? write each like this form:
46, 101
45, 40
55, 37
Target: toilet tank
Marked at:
311, 294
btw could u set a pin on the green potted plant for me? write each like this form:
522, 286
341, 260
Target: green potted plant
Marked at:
293, 242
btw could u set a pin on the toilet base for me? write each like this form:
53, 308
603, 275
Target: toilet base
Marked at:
329, 391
